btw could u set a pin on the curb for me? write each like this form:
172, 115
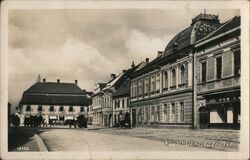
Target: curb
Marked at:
40, 143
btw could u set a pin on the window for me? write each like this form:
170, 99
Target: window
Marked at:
153, 84
118, 103
40, 108
28, 108
183, 80
140, 88
123, 103
82, 108
61, 108
236, 63
146, 84
182, 111
70, 109
127, 102
218, 67
165, 85
158, 82
173, 112
173, 77
51, 109
203, 71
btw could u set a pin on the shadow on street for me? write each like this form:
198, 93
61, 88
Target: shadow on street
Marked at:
19, 138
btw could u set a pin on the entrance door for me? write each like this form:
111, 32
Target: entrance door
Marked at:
204, 117
133, 117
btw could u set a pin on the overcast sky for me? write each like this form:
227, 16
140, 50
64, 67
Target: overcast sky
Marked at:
87, 45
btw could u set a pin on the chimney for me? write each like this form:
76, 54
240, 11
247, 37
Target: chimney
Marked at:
124, 70
133, 64
159, 53
58, 80
112, 76
44, 80
147, 60
76, 81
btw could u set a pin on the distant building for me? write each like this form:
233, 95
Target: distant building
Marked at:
121, 96
54, 101
218, 77
97, 104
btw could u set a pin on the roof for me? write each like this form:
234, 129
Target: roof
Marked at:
123, 90
51, 93
183, 42
102, 85
223, 28
113, 81
56, 88
46, 99
201, 26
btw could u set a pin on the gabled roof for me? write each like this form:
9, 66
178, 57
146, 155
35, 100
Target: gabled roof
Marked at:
54, 88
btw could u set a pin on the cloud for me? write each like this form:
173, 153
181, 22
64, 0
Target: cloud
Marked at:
142, 46
73, 60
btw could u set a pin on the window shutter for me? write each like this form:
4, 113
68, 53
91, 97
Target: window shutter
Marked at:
210, 68
227, 63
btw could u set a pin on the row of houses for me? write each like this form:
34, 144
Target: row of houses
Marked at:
194, 83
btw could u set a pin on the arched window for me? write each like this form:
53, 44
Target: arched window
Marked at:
183, 71
165, 79
173, 77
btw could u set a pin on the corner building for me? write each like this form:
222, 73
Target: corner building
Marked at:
162, 91
218, 77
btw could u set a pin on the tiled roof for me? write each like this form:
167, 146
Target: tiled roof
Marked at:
123, 90
53, 87
51, 93
47, 99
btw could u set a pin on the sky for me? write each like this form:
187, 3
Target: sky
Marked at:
88, 44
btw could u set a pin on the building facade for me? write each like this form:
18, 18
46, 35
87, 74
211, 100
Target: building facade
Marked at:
121, 96
97, 104
162, 91
54, 101
218, 77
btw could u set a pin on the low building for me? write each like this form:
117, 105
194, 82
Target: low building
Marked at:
54, 101
218, 77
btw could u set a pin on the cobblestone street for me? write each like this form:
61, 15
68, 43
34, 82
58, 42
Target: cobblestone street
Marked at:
221, 140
